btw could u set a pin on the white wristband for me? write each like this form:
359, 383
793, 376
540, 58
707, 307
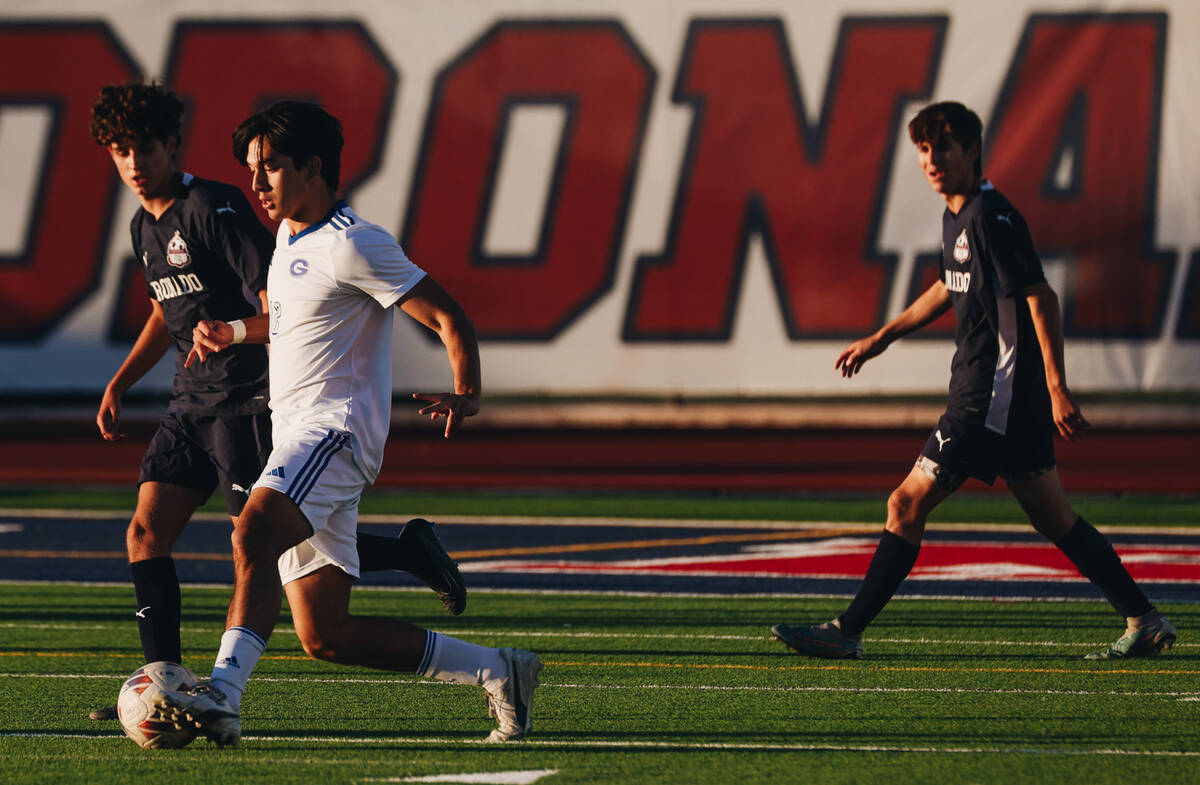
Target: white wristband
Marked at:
239, 330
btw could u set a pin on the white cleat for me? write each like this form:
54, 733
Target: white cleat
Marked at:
1149, 639
512, 707
206, 708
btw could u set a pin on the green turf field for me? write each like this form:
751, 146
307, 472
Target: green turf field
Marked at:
1128, 510
637, 689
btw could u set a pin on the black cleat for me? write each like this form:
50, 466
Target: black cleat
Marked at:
820, 640
426, 560
104, 713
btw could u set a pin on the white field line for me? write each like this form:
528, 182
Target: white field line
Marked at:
648, 523
526, 777
1041, 598
606, 636
579, 569
259, 758
652, 745
415, 682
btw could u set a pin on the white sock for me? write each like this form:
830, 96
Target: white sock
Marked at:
239, 653
459, 662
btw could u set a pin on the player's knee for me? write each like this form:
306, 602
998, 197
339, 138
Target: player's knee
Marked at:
321, 642
252, 541
903, 512
1053, 524
900, 505
319, 649
141, 540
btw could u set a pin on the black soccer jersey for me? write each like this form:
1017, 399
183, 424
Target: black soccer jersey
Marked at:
988, 259
205, 258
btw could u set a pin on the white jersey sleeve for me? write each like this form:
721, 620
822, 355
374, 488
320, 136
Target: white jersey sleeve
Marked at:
370, 260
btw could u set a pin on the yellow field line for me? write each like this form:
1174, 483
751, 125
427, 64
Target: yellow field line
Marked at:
658, 543
872, 668
686, 666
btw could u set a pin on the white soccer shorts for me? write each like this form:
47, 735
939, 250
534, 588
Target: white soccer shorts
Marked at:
317, 471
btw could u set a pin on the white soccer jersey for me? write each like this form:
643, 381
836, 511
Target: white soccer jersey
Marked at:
332, 288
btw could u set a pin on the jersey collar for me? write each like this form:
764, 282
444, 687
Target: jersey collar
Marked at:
984, 186
341, 204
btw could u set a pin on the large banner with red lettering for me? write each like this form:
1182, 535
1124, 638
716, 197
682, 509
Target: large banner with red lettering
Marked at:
629, 197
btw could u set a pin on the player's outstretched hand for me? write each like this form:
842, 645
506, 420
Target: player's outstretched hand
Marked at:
851, 360
1068, 417
208, 337
454, 407
109, 416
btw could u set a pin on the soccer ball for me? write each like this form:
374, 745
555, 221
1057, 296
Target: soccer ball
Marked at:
144, 722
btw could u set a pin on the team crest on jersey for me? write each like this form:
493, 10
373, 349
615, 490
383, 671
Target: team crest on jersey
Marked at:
177, 252
962, 251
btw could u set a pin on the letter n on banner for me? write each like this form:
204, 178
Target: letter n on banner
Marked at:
754, 165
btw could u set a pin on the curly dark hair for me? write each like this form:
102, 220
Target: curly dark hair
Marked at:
940, 122
134, 114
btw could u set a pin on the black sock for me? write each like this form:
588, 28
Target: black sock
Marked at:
894, 558
156, 587
377, 553
1093, 555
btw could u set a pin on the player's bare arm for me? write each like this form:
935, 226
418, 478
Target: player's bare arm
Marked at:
1047, 323
932, 303
432, 306
212, 336
207, 336
151, 344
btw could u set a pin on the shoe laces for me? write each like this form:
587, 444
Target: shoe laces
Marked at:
501, 710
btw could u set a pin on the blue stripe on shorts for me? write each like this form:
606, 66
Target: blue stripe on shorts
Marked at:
316, 463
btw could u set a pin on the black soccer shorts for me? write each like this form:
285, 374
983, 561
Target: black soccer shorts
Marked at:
206, 452
961, 446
